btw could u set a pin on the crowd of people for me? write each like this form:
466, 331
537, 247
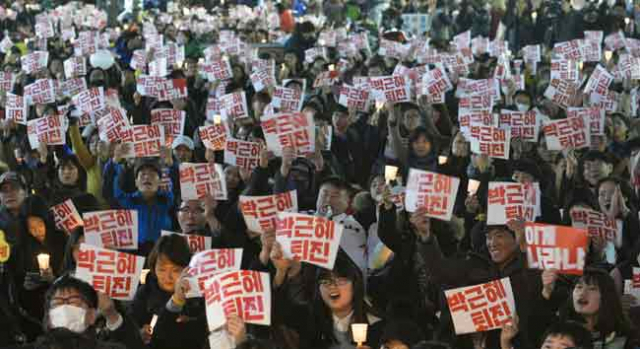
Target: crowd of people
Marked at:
393, 266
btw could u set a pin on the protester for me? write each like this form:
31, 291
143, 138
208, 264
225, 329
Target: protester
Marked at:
279, 174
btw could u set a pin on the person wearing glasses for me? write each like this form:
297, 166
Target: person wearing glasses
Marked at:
323, 320
73, 307
197, 217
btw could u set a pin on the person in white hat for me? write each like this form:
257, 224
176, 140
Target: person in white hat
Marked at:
183, 149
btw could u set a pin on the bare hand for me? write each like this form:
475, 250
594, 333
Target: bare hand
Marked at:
549, 278
509, 332
146, 333
119, 151
236, 328
245, 174
288, 155
181, 288
417, 220
107, 307
43, 151
264, 156
137, 98
267, 239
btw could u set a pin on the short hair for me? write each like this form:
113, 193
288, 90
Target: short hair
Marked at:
581, 336
336, 182
294, 82
174, 247
66, 282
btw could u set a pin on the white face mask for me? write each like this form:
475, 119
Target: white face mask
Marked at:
68, 316
522, 107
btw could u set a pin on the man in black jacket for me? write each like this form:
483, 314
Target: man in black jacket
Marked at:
74, 305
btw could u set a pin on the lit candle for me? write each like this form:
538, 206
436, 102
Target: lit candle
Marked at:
534, 15
580, 65
442, 159
390, 173
332, 67
607, 55
154, 320
43, 261
217, 119
472, 187
379, 105
359, 332
143, 276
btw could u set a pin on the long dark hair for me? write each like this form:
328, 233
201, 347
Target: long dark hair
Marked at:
611, 318
71, 159
68, 263
344, 267
416, 134
34, 206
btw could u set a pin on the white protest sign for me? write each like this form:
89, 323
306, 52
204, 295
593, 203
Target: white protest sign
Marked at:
243, 292
207, 263
310, 239
198, 180
433, 191
481, 307
116, 229
259, 212
113, 273
511, 201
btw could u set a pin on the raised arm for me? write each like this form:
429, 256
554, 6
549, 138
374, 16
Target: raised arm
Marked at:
84, 156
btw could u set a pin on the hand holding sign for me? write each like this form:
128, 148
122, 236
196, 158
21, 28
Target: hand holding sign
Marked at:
236, 328
509, 332
107, 308
181, 288
285, 267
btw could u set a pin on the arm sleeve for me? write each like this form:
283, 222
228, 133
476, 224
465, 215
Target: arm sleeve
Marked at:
84, 156
387, 229
445, 271
120, 196
127, 334
402, 153
259, 182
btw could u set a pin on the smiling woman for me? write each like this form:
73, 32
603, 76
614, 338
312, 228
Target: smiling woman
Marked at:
338, 302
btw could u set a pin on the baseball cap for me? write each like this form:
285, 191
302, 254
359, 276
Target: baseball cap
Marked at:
12, 177
183, 140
